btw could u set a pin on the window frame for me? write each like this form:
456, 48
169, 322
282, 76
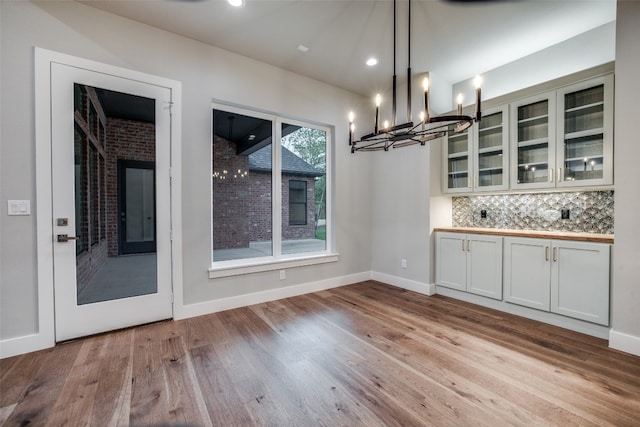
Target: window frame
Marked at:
277, 260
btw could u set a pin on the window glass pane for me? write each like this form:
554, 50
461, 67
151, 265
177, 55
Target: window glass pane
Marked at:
94, 208
103, 199
303, 160
297, 202
80, 188
242, 183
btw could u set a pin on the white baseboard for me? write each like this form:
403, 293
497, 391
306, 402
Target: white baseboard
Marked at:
624, 342
199, 309
400, 282
25, 344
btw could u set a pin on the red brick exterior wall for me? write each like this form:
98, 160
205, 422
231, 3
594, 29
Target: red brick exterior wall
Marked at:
127, 140
242, 204
94, 255
232, 195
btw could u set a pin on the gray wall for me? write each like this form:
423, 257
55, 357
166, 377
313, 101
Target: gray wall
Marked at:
205, 73
626, 268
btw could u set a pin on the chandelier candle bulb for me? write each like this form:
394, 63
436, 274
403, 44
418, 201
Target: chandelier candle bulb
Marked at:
478, 83
460, 99
425, 85
351, 117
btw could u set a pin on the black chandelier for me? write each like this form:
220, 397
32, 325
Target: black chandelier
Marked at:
428, 128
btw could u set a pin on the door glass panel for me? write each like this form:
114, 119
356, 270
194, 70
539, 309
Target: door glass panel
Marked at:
584, 134
242, 186
533, 142
80, 188
303, 160
458, 160
111, 126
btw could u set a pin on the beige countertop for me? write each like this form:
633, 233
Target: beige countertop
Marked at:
558, 235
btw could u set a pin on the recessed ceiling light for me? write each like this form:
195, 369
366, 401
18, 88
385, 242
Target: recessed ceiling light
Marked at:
302, 48
372, 61
236, 3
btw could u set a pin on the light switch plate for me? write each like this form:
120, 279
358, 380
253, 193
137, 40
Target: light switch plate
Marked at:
18, 207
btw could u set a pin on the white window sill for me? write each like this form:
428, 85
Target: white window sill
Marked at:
269, 265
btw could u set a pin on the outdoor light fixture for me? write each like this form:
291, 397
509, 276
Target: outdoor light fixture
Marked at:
409, 133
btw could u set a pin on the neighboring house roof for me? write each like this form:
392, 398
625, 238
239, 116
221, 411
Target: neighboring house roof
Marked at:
292, 164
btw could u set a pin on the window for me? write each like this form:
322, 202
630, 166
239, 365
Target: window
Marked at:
94, 204
297, 202
80, 189
269, 201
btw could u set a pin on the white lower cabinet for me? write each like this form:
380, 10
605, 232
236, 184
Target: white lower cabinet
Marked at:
564, 277
470, 262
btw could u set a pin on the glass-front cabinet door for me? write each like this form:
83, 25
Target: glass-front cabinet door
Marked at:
533, 137
458, 162
585, 127
491, 153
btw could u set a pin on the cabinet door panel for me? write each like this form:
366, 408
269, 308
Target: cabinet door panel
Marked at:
451, 261
533, 142
484, 266
526, 272
491, 147
585, 136
458, 166
580, 281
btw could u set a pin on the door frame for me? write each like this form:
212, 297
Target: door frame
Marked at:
122, 165
44, 192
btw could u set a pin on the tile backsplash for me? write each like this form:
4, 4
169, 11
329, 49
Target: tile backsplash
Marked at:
589, 211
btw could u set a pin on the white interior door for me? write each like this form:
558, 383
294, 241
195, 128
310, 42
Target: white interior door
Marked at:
97, 287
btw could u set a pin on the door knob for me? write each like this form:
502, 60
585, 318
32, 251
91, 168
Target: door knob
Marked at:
65, 238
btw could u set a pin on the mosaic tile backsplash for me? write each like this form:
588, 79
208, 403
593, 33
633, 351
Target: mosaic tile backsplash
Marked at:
589, 211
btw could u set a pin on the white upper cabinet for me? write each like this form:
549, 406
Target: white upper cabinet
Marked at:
491, 150
533, 141
556, 139
585, 133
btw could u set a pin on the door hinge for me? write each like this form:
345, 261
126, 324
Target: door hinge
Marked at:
172, 299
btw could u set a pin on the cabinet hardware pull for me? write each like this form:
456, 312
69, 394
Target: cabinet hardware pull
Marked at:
560, 175
462, 245
546, 253
551, 175
468, 245
555, 258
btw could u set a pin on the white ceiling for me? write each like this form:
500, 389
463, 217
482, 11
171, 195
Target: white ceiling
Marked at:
456, 40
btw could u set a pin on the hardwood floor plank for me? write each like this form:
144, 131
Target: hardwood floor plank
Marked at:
41, 394
367, 354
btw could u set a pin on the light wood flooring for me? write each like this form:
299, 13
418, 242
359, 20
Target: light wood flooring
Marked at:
361, 355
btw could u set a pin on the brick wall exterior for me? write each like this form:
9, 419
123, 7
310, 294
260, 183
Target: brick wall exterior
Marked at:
232, 198
127, 140
90, 121
242, 205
